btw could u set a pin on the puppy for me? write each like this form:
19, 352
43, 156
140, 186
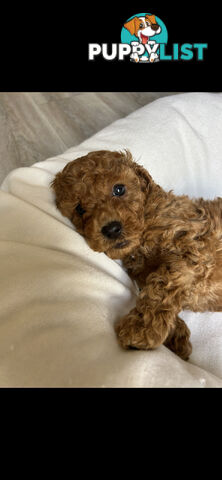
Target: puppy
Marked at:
170, 245
144, 28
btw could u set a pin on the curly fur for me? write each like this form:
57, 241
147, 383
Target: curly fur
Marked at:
171, 245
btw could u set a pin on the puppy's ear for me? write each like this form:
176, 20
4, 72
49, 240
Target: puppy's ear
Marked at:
144, 177
151, 19
64, 201
133, 25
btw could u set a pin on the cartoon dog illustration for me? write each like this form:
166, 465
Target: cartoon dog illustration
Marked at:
144, 28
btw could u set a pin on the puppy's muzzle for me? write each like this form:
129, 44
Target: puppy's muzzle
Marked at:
112, 230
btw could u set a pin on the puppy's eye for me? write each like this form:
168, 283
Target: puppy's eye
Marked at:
80, 210
119, 190
141, 25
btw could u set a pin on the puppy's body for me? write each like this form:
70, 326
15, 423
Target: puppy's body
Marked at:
187, 231
171, 245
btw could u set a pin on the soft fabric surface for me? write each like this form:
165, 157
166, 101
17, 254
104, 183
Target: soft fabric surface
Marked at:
59, 299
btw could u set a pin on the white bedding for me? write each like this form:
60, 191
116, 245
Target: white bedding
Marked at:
59, 299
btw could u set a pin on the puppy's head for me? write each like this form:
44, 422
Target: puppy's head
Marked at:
143, 27
103, 194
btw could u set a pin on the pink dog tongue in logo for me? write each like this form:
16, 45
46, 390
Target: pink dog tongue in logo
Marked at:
144, 39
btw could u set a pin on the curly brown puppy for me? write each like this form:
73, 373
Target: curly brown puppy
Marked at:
171, 245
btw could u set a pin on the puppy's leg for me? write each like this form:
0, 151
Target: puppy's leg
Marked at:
144, 331
149, 324
178, 339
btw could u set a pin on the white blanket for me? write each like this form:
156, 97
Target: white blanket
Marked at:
59, 299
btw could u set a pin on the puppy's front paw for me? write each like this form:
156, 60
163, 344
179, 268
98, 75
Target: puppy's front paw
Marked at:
133, 333
153, 57
178, 340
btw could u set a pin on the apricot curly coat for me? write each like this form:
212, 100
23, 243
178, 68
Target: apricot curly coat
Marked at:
171, 245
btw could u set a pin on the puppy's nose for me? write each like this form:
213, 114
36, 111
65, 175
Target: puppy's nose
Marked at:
112, 230
154, 27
